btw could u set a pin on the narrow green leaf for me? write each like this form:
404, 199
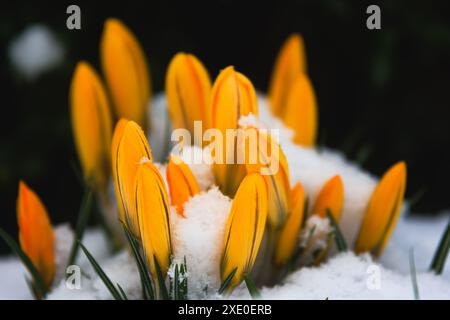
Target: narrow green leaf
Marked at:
161, 284
32, 288
412, 267
254, 292
438, 263
227, 281
83, 218
122, 292
176, 292
339, 238
185, 279
108, 283
40, 289
142, 268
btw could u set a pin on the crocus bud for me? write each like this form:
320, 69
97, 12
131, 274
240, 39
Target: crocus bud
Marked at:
300, 113
382, 211
232, 96
187, 89
91, 125
244, 230
291, 62
126, 72
129, 149
36, 233
181, 181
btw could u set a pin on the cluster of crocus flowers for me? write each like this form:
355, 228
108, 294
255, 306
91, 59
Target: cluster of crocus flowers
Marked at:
145, 208
263, 202
140, 191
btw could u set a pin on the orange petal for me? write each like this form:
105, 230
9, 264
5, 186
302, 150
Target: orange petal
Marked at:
187, 89
126, 72
91, 124
301, 111
245, 229
181, 181
330, 197
36, 233
129, 148
382, 211
288, 240
291, 62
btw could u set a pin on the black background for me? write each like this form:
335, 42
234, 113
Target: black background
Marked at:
388, 89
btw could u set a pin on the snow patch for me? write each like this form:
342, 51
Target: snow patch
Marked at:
199, 237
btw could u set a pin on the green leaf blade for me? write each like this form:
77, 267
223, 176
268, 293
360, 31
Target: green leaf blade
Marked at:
440, 256
163, 293
226, 283
254, 292
108, 283
39, 289
339, 238
143, 272
83, 218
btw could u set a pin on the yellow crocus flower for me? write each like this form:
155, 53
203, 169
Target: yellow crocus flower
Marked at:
126, 72
290, 62
382, 211
181, 182
129, 148
301, 111
188, 87
153, 211
272, 164
288, 239
244, 229
36, 233
330, 197
91, 125
232, 96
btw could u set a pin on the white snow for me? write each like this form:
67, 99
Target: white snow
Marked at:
344, 276
35, 50
347, 276
422, 234
12, 280
199, 238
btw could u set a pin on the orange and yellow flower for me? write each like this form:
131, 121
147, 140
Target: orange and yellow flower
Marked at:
36, 233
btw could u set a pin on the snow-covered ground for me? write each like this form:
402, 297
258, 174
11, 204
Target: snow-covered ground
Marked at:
345, 276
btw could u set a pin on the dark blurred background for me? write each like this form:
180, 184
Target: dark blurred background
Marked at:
383, 95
